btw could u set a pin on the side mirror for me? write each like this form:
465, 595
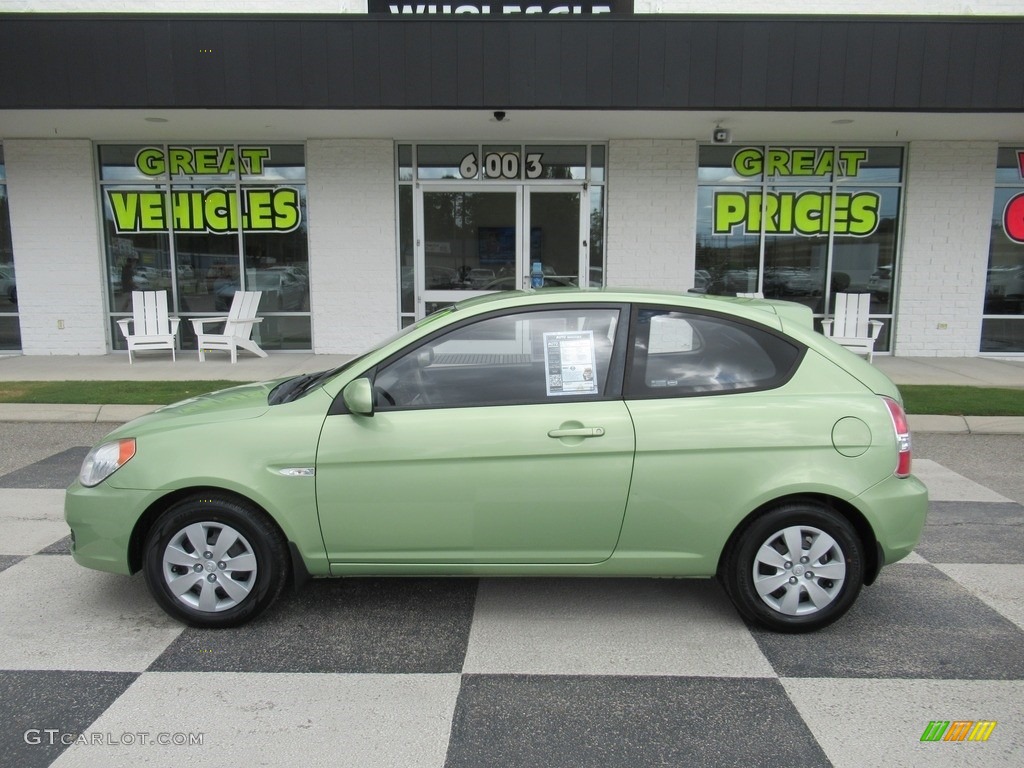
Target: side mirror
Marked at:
358, 397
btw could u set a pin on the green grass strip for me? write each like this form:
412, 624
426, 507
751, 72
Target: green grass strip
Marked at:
107, 392
942, 400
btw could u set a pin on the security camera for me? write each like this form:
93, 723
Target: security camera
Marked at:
721, 135
499, 116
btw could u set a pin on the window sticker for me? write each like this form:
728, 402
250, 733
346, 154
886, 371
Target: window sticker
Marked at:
570, 363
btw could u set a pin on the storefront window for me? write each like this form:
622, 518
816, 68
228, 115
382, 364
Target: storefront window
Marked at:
10, 328
800, 223
203, 221
477, 217
1002, 329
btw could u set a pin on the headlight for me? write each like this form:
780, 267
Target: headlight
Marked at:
104, 460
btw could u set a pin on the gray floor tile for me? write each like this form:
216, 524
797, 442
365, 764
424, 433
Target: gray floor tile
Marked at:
1001, 587
6, 561
963, 532
42, 712
914, 622
342, 625
56, 471
606, 721
59, 547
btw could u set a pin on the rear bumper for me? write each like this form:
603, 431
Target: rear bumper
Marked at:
896, 508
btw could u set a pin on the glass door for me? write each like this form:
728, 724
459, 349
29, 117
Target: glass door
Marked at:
468, 243
472, 239
556, 221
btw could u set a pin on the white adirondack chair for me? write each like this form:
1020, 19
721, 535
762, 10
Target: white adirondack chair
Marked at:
150, 327
238, 327
850, 326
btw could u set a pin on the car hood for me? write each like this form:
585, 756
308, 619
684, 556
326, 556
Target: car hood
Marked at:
246, 401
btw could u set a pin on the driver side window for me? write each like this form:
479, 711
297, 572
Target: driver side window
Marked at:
510, 359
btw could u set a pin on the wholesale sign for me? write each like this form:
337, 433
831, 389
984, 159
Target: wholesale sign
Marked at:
214, 210
498, 8
804, 213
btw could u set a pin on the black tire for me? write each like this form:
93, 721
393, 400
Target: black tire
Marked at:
805, 599
237, 577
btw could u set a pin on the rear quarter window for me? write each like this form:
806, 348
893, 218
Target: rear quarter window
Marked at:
677, 353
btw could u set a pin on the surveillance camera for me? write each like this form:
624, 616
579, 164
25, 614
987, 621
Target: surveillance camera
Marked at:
721, 135
499, 116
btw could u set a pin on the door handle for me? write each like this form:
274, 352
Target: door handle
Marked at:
577, 432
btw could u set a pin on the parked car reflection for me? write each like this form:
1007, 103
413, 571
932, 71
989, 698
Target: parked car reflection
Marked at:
8, 286
282, 290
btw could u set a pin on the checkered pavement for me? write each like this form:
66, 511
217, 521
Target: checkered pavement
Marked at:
511, 672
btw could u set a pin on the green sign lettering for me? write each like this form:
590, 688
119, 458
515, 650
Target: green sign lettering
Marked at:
202, 161
807, 213
216, 211
822, 161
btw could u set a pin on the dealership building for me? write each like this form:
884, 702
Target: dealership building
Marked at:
365, 163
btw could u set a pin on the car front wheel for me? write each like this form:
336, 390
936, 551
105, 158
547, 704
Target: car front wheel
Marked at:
213, 561
796, 568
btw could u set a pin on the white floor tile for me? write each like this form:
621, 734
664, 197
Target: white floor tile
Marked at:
248, 719
880, 722
30, 520
610, 627
946, 485
59, 615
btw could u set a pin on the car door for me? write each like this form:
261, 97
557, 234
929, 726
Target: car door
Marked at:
715, 433
500, 440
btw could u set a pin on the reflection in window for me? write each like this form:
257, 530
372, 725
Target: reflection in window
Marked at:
523, 358
799, 223
1003, 322
10, 326
678, 354
233, 218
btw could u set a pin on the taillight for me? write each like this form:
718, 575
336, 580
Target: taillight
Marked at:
902, 427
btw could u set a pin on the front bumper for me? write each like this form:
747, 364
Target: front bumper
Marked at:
102, 520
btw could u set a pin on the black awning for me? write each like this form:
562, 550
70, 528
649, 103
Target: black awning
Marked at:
946, 64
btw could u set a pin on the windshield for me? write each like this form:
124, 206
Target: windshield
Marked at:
294, 388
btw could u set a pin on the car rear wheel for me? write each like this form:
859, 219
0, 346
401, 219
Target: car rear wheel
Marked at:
796, 568
212, 561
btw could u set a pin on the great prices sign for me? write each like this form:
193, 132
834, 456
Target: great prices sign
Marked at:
1013, 214
806, 213
212, 209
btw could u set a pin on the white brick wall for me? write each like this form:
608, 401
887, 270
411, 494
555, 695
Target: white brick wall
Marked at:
652, 199
352, 260
57, 253
950, 190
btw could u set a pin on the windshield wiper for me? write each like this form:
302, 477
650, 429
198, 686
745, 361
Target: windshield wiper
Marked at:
287, 391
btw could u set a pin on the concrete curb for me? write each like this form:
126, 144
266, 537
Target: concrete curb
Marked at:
89, 414
968, 425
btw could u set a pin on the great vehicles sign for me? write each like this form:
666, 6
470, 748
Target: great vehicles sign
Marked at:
807, 213
215, 209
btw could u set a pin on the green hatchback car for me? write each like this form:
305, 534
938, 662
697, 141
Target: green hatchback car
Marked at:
575, 433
